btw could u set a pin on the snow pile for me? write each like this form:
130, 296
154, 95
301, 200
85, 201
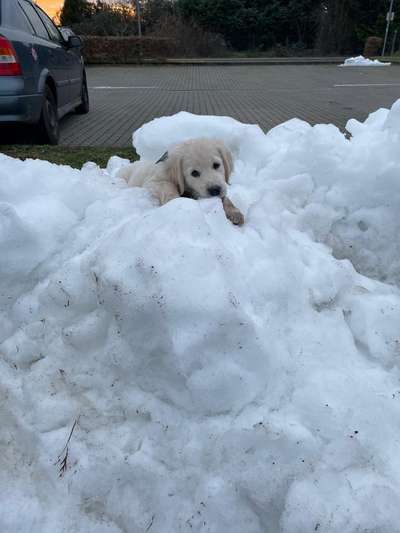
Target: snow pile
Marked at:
223, 379
361, 61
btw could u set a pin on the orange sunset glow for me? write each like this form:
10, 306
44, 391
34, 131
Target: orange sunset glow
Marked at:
52, 7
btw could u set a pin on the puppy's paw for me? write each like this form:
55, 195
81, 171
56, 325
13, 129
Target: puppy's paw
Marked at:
235, 216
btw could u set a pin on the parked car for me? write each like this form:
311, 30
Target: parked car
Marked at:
42, 73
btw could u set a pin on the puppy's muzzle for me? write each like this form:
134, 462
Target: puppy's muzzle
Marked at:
214, 191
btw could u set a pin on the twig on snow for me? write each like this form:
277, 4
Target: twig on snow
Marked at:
151, 523
62, 459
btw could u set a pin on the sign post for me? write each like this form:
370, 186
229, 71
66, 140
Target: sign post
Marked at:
389, 19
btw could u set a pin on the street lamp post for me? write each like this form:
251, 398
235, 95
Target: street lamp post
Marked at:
389, 18
139, 17
139, 26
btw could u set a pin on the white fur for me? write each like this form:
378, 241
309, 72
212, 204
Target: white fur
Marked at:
173, 175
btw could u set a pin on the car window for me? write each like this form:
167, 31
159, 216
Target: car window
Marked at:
50, 26
34, 19
20, 21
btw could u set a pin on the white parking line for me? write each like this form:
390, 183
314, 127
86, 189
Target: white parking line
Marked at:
367, 85
109, 87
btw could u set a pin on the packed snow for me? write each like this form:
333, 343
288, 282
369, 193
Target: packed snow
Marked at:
163, 370
361, 61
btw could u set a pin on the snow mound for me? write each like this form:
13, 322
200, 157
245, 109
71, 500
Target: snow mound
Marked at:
361, 61
221, 379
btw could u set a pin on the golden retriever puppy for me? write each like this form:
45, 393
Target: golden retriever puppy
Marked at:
198, 168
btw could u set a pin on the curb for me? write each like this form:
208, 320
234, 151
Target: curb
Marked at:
249, 61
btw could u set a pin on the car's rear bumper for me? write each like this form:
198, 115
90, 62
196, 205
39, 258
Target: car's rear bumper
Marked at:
20, 108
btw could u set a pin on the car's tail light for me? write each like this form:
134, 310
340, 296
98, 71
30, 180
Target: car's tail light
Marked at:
9, 64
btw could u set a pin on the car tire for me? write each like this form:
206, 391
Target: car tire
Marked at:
48, 124
83, 108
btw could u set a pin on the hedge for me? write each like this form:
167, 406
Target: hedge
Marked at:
121, 50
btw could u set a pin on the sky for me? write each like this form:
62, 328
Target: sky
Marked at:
50, 6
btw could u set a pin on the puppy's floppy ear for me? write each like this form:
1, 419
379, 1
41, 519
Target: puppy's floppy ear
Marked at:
174, 170
227, 159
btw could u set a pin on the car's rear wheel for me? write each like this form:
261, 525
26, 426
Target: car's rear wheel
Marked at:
83, 108
49, 126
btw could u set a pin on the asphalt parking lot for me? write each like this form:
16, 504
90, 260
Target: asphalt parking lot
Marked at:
125, 97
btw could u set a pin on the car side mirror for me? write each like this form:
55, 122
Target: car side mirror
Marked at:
74, 41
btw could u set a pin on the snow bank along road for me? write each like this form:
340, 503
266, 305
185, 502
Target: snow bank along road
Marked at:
162, 370
123, 98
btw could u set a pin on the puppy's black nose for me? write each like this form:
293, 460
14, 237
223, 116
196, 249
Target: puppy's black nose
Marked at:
214, 191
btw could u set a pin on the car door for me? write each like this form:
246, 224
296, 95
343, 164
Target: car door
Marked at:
50, 53
72, 58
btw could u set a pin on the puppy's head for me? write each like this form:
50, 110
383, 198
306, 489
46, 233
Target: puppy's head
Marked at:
200, 167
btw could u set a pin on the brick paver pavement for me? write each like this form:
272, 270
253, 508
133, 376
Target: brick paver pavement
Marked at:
124, 97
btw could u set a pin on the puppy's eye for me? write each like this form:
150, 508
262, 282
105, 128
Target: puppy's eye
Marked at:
195, 173
216, 165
